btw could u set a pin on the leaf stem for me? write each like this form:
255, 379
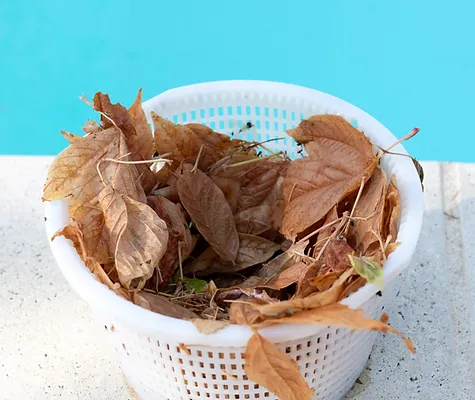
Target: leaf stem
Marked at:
195, 167
253, 160
410, 135
180, 260
343, 221
360, 191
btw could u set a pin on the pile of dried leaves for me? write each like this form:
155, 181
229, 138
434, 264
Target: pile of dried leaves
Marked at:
224, 234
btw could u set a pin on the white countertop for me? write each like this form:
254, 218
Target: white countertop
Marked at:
51, 348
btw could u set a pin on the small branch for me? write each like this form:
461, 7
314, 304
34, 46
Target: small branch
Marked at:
165, 160
195, 167
319, 230
253, 160
333, 235
410, 135
180, 260
292, 192
360, 191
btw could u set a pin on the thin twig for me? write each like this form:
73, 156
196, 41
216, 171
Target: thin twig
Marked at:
291, 193
195, 167
410, 135
360, 191
253, 160
381, 244
333, 235
165, 160
319, 230
180, 261
85, 100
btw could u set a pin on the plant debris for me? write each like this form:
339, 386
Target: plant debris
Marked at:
192, 224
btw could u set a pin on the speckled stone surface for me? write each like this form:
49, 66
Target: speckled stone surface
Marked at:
51, 348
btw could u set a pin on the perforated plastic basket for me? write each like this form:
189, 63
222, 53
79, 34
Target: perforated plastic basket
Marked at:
148, 344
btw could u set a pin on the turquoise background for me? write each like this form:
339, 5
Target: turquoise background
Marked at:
408, 63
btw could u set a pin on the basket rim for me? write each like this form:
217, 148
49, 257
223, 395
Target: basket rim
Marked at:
111, 306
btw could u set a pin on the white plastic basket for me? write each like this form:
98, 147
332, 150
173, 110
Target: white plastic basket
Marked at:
148, 344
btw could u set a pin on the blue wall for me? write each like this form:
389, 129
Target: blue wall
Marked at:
409, 63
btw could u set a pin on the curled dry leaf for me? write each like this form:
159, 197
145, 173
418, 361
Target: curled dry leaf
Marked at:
276, 371
138, 236
324, 282
352, 287
161, 305
305, 285
339, 156
142, 142
73, 174
209, 326
209, 210
319, 299
392, 210
243, 314
341, 316
369, 211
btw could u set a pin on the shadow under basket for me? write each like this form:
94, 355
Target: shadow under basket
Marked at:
168, 359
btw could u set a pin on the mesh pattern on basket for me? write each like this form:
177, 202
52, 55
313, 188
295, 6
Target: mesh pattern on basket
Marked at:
158, 368
330, 362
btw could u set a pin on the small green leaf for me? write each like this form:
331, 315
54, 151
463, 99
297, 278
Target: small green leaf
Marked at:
367, 268
194, 285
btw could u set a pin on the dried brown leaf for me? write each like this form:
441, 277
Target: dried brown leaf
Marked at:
252, 250
260, 181
341, 316
178, 232
161, 305
169, 192
230, 189
319, 299
203, 262
304, 284
209, 210
266, 365
254, 220
138, 236
209, 326
142, 142
324, 282
352, 287
288, 277
176, 139
370, 206
70, 137
282, 261
91, 127
73, 174
340, 156
244, 314
335, 256
393, 209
